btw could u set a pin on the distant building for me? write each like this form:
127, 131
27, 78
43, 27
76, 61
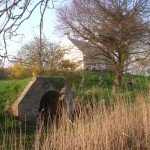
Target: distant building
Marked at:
81, 52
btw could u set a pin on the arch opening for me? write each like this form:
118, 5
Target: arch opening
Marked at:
49, 106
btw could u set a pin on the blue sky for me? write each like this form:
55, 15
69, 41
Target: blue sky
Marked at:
30, 28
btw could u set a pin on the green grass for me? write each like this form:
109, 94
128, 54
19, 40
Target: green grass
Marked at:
10, 90
101, 86
97, 85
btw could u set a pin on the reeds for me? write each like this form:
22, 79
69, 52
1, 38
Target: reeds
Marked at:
119, 126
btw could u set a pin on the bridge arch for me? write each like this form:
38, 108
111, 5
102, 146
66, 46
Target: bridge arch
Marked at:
39, 89
48, 107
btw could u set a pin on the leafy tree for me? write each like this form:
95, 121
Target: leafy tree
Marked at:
56, 59
37, 55
62, 67
68, 65
49, 60
69, 69
118, 30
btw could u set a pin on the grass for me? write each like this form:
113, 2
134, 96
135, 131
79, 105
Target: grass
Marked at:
10, 90
99, 84
102, 86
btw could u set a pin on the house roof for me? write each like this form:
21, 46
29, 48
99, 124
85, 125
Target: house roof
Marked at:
83, 46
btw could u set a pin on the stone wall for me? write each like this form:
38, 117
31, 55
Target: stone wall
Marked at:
27, 105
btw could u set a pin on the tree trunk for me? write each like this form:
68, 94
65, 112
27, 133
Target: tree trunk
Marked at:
119, 79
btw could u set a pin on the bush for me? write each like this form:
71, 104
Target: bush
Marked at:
18, 71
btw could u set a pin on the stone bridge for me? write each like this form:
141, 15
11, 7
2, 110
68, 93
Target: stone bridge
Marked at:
41, 94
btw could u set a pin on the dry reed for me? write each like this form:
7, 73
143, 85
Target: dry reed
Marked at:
121, 126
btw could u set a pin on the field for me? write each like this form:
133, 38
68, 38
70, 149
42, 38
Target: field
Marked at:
110, 118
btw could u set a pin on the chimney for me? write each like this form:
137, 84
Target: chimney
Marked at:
66, 35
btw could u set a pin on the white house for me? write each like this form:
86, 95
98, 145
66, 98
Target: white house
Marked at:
81, 52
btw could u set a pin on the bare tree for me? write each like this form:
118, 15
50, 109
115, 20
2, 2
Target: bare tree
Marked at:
14, 13
118, 29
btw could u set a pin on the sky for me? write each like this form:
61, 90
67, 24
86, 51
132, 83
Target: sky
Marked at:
30, 28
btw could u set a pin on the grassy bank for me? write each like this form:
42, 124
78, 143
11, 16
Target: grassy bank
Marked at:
10, 90
86, 84
101, 86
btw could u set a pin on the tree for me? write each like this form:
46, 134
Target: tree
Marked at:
14, 13
37, 55
118, 30
60, 66
141, 67
68, 69
47, 60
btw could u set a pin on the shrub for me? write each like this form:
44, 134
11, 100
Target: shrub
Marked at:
18, 71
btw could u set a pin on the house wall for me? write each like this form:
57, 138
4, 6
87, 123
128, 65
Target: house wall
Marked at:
72, 53
74, 50
95, 64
